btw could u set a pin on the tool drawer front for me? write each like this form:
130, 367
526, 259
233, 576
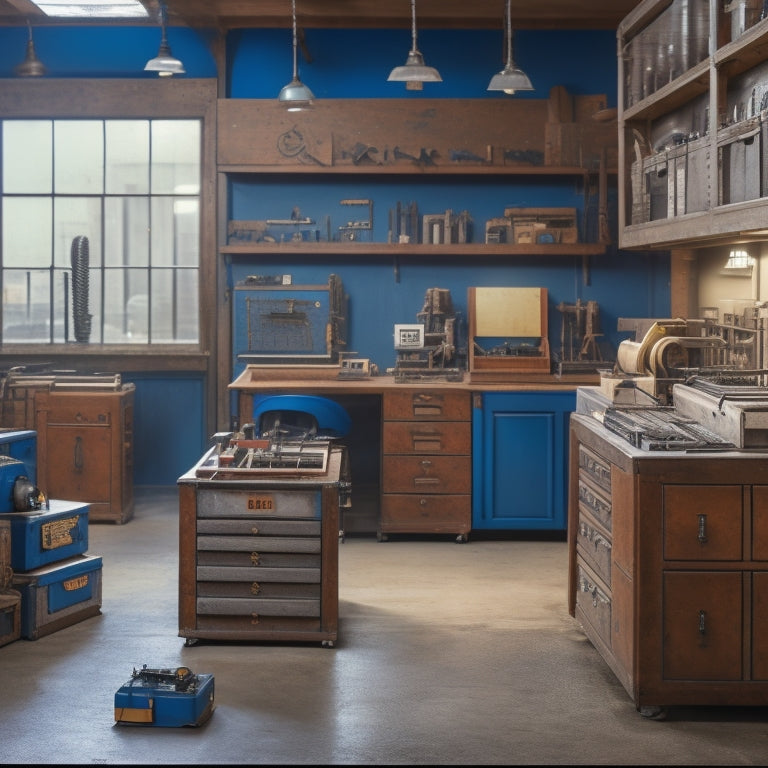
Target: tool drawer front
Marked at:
426, 405
422, 474
412, 513
593, 603
593, 544
249, 503
424, 437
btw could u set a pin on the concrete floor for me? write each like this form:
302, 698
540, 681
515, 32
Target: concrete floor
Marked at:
448, 654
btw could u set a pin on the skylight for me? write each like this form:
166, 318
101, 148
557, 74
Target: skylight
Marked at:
100, 9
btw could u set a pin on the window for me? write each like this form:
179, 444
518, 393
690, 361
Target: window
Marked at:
100, 224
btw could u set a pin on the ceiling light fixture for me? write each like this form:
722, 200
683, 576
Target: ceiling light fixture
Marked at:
511, 79
31, 66
164, 63
296, 95
414, 73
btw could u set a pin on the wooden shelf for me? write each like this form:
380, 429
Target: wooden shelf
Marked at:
411, 169
378, 249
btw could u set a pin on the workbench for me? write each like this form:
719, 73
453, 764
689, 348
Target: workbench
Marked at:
426, 455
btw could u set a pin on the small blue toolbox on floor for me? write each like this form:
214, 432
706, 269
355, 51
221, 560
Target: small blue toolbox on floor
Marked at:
165, 697
21, 444
43, 536
59, 595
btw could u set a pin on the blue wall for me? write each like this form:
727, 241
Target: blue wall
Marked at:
355, 64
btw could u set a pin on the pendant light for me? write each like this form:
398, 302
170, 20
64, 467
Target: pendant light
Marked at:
414, 73
295, 95
31, 66
511, 78
164, 63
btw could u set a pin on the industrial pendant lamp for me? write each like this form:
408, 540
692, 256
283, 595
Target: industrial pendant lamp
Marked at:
164, 63
31, 66
511, 78
295, 95
414, 73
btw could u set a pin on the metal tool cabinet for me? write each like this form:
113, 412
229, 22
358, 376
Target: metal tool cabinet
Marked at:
258, 558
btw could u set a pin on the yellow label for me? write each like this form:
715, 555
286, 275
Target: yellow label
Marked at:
77, 583
57, 533
260, 503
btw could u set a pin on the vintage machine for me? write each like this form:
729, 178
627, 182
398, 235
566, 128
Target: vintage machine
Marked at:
429, 348
278, 323
507, 332
259, 526
165, 697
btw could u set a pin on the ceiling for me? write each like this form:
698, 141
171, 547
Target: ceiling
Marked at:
444, 14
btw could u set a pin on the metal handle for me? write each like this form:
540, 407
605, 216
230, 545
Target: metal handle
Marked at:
702, 535
77, 457
702, 622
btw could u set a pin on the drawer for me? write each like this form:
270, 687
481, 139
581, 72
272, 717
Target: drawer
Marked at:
593, 501
425, 405
760, 522
254, 559
433, 474
259, 527
257, 544
270, 589
702, 522
594, 468
250, 503
246, 573
424, 437
432, 514
594, 545
593, 601
255, 606
82, 412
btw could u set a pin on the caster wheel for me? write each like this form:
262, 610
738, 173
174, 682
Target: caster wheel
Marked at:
327, 644
654, 713
382, 537
462, 538
190, 641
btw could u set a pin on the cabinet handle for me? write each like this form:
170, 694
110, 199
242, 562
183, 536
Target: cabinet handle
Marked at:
702, 535
254, 558
77, 458
255, 531
702, 622
255, 588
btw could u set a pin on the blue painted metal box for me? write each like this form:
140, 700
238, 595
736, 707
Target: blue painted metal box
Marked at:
21, 444
43, 536
165, 697
59, 595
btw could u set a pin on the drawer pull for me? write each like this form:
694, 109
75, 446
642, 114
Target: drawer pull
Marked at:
255, 530
254, 558
702, 622
702, 535
77, 458
254, 618
426, 463
255, 588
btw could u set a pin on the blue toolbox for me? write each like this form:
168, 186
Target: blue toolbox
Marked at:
166, 697
20, 444
59, 595
43, 536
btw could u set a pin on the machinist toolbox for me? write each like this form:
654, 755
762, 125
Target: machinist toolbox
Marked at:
59, 595
43, 536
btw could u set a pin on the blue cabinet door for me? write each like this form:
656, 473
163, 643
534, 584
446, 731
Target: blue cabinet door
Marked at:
520, 460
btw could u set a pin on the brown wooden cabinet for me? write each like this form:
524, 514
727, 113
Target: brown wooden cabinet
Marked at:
426, 475
85, 449
668, 568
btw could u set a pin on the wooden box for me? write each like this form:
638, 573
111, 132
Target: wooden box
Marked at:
45, 536
59, 595
10, 617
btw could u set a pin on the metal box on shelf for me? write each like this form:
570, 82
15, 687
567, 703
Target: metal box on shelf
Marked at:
59, 595
43, 536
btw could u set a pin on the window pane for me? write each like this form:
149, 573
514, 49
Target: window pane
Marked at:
176, 157
23, 142
77, 217
175, 231
78, 156
174, 310
26, 232
26, 305
126, 306
126, 231
127, 157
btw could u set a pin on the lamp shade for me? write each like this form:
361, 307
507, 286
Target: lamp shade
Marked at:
31, 66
